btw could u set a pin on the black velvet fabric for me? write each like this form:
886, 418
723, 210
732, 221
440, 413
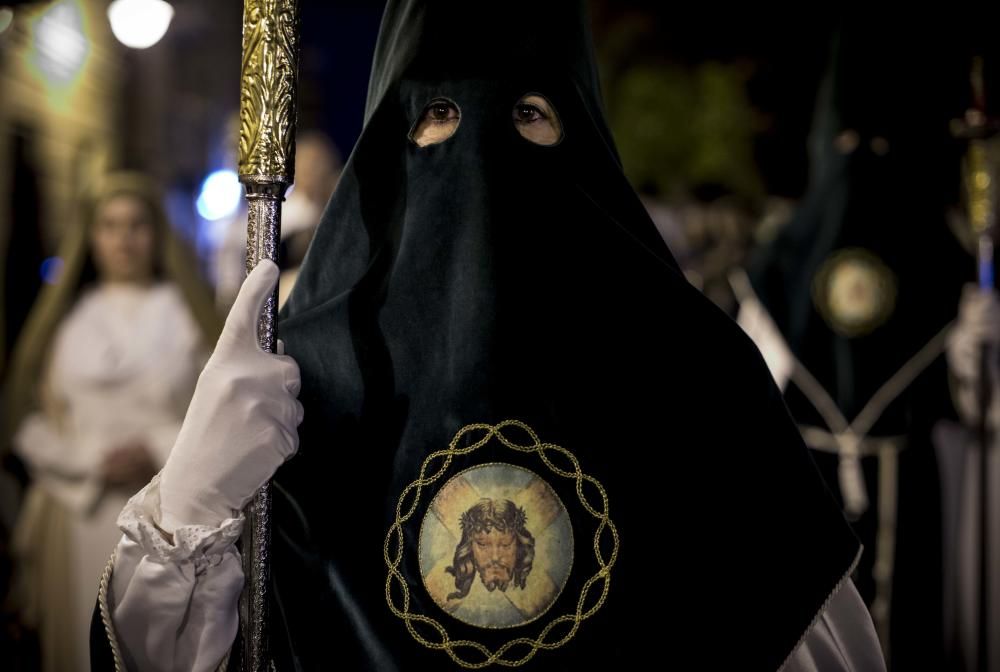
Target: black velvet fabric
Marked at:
484, 279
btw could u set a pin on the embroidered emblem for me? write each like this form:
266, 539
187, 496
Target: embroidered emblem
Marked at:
496, 547
855, 292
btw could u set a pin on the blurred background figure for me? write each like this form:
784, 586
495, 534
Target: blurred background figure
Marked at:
968, 450
851, 303
103, 373
959, 446
317, 169
88, 87
686, 134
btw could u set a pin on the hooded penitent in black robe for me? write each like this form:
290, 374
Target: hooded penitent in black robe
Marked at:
861, 283
659, 487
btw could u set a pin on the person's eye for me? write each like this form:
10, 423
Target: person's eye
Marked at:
527, 114
437, 122
442, 111
536, 120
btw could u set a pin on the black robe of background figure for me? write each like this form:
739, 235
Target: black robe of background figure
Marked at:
866, 276
486, 278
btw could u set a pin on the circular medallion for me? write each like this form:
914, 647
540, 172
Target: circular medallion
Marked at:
855, 292
496, 546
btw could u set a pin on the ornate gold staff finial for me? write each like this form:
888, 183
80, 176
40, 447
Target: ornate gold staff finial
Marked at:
267, 158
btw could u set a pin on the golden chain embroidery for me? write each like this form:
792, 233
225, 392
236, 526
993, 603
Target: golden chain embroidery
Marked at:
393, 548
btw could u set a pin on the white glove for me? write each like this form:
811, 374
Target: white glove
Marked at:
241, 424
978, 324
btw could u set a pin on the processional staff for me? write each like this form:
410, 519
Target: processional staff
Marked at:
266, 167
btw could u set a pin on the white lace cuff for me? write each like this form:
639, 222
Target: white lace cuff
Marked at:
199, 544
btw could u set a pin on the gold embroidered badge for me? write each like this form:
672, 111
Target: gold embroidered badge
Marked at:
496, 547
855, 292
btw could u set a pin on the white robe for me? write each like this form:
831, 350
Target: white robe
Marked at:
959, 461
123, 366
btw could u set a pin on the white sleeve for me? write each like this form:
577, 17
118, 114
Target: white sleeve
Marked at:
760, 327
843, 639
173, 606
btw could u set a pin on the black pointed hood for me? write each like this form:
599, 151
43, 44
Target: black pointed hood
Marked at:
486, 279
873, 222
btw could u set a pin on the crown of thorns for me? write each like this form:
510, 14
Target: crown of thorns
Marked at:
483, 518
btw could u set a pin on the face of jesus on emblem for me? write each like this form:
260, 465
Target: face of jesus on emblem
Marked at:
496, 546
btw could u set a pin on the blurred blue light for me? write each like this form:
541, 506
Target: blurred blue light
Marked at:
51, 270
220, 195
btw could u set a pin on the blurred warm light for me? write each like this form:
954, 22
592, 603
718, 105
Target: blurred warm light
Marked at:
51, 269
60, 46
140, 23
220, 195
6, 17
